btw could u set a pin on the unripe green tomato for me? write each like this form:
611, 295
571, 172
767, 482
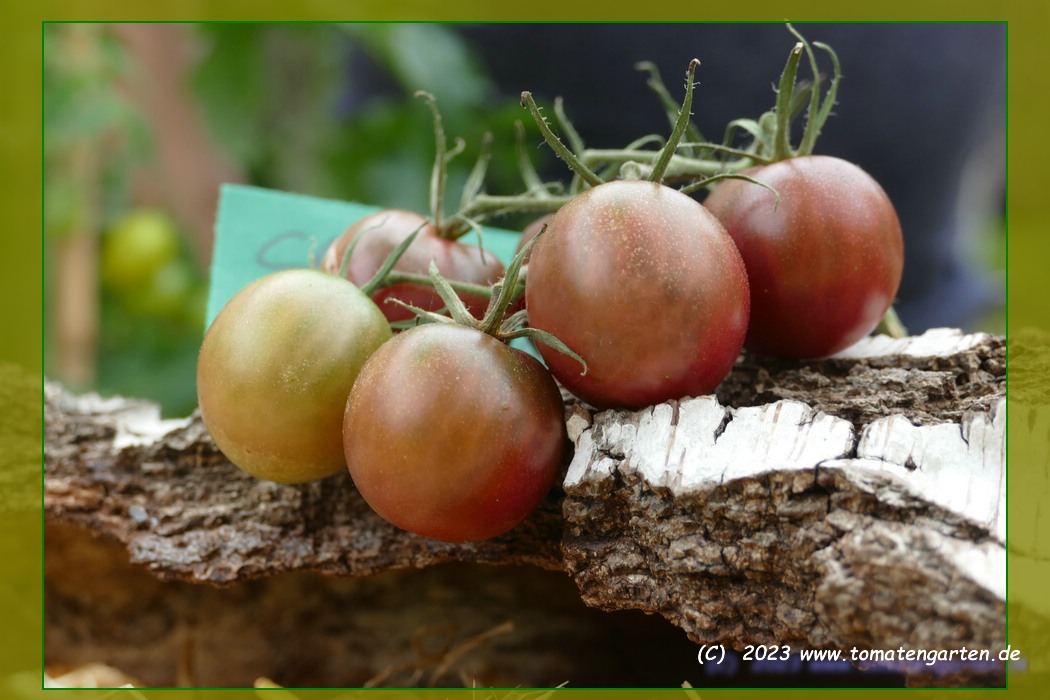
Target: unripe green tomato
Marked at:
137, 248
276, 367
165, 294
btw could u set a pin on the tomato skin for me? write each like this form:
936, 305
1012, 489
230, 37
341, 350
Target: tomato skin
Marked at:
453, 435
646, 286
531, 231
527, 234
825, 265
382, 232
276, 366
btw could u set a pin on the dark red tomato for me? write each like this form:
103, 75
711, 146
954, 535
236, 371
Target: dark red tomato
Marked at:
275, 369
646, 286
531, 231
382, 232
453, 435
527, 234
824, 266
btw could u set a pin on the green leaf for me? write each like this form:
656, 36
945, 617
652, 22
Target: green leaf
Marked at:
426, 57
230, 82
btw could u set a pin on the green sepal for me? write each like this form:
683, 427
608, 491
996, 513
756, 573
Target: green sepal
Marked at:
505, 291
556, 145
671, 108
476, 179
689, 189
422, 315
548, 339
782, 110
379, 278
683, 121
456, 308
439, 173
515, 322
891, 325
567, 127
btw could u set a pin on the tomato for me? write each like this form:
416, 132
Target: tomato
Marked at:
824, 265
382, 232
531, 231
276, 367
137, 248
166, 293
451, 434
646, 286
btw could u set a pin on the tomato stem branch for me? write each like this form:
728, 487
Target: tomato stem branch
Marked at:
678, 166
494, 205
556, 145
480, 290
567, 127
656, 84
439, 174
684, 115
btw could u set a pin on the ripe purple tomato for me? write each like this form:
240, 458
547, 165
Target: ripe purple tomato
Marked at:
527, 234
531, 231
382, 232
453, 435
275, 369
646, 286
824, 266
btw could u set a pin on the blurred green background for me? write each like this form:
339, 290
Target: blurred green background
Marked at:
143, 122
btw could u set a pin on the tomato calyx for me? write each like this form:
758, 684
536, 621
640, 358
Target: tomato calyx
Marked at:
775, 140
458, 224
387, 276
475, 206
495, 321
629, 169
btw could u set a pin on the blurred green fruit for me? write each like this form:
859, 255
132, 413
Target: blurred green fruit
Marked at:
137, 249
165, 294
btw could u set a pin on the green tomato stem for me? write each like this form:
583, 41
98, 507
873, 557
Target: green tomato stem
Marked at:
384, 271
505, 291
556, 145
678, 166
495, 205
656, 84
529, 176
680, 126
567, 127
891, 325
476, 179
398, 277
439, 174
782, 111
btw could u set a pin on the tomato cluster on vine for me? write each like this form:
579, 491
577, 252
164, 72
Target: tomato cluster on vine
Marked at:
393, 361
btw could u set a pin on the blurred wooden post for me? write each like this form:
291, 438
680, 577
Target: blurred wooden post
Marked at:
189, 165
76, 277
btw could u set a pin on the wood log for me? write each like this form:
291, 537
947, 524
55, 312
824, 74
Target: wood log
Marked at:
856, 502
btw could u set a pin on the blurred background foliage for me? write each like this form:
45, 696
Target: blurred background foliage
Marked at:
142, 123
294, 107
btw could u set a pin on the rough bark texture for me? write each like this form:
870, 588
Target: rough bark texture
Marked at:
856, 501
